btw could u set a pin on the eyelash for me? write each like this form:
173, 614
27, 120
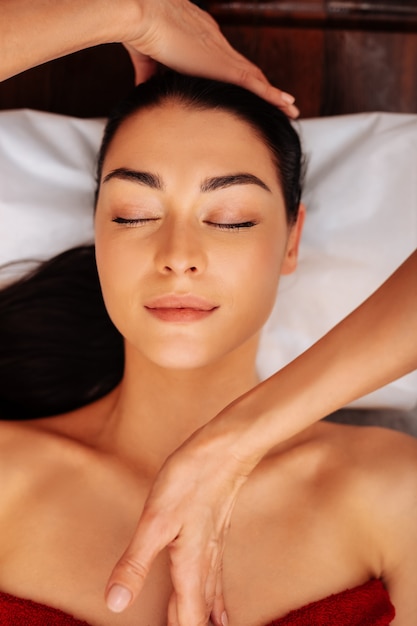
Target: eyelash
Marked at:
133, 222
232, 226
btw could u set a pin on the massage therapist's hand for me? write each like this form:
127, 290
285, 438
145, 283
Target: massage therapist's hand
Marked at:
179, 35
175, 33
188, 511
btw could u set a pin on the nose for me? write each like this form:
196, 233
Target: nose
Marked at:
180, 249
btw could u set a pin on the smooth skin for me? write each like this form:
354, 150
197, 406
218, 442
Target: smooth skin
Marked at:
326, 510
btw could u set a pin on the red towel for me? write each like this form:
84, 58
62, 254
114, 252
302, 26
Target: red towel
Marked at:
367, 605
19, 612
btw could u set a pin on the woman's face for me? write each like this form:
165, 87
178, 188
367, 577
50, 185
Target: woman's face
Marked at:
191, 235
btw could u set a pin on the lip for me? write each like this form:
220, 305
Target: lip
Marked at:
180, 301
180, 308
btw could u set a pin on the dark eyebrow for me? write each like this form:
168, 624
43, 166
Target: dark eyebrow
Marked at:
220, 182
209, 184
143, 178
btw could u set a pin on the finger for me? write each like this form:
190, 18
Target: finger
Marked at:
128, 576
218, 612
242, 72
194, 575
172, 616
188, 578
235, 69
265, 90
220, 60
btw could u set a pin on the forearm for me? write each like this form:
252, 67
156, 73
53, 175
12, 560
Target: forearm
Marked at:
35, 31
374, 345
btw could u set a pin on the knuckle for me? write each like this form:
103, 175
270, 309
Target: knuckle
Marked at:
250, 72
133, 568
156, 525
244, 76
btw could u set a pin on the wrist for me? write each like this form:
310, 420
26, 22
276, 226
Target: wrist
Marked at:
236, 435
123, 20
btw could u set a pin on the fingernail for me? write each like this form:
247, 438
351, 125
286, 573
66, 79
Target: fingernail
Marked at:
224, 618
287, 98
118, 598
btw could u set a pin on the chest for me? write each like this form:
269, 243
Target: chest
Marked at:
284, 549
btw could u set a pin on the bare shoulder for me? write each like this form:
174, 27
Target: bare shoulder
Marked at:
23, 453
41, 454
372, 459
382, 454
383, 488
372, 475
81, 426
36, 467
354, 454
27, 453
18, 441
365, 469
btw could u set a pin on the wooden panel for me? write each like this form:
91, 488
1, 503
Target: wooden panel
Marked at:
389, 14
85, 84
335, 71
285, 55
368, 71
329, 68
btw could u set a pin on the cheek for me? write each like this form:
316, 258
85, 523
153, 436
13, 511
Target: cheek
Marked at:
117, 282
264, 280
256, 277
265, 260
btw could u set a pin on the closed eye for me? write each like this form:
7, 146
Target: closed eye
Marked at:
134, 221
233, 226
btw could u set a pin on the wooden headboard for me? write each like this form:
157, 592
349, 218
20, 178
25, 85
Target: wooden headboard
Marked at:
335, 56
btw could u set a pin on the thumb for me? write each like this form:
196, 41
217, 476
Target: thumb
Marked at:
130, 572
144, 67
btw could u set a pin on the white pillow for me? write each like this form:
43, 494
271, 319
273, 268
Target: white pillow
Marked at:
360, 191
46, 183
361, 197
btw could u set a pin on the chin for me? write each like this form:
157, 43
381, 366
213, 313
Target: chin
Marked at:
187, 354
182, 355
183, 360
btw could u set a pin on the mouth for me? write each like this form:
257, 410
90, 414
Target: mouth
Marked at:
184, 308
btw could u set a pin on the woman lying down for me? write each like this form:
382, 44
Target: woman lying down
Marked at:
197, 217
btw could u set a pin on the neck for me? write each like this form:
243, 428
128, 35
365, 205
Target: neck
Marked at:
157, 409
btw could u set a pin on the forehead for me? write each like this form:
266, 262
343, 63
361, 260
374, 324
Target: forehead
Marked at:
176, 135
